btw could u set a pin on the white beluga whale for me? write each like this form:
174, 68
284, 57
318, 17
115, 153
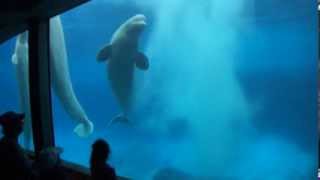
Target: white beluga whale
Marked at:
123, 56
61, 81
60, 78
21, 61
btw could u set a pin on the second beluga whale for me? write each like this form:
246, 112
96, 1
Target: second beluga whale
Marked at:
123, 56
60, 79
20, 60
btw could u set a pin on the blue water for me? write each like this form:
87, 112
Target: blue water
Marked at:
230, 93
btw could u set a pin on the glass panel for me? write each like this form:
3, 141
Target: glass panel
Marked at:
230, 91
14, 80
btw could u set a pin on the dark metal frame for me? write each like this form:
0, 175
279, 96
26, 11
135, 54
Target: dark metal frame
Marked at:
39, 80
15, 15
36, 20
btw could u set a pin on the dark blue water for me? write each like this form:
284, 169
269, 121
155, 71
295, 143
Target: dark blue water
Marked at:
231, 89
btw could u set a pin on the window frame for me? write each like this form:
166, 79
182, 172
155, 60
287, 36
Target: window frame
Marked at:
35, 19
38, 26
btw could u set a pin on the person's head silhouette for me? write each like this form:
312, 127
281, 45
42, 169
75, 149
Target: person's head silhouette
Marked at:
100, 152
12, 124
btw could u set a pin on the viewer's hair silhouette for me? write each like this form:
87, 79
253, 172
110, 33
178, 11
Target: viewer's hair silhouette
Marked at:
12, 123
100, 152
100, 169
14, 163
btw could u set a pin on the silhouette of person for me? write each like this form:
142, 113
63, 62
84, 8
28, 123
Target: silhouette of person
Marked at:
14, 164
100, 169
49, 164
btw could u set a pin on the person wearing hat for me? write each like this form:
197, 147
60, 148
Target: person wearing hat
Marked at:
14, 163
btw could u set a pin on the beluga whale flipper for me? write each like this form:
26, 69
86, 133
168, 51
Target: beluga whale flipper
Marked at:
60, 79
122, 56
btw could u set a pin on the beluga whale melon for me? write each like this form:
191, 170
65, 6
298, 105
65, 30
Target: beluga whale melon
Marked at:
122, 56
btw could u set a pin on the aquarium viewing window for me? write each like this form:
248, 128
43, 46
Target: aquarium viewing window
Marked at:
35, 19
36, 72
9, 99
221, 90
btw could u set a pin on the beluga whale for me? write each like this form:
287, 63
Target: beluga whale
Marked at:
20, 61
60, 80
122, 56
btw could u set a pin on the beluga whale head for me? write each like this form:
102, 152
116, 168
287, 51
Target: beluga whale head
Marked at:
136, 25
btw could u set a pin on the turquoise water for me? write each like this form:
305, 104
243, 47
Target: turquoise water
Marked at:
230, 92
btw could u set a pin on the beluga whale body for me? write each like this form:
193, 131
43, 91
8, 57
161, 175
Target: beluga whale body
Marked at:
60, 79
20, 60
122, 56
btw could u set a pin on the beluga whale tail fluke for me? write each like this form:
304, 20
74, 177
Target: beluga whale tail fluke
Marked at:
121, 118
84, 129
122, 55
